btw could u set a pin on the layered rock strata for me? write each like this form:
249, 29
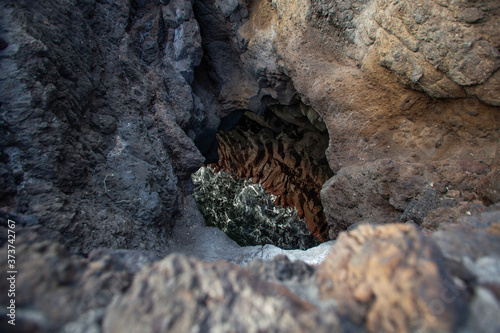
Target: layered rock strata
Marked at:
287, 159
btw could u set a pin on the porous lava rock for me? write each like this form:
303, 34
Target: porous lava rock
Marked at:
392, 279
108, 106
180, 294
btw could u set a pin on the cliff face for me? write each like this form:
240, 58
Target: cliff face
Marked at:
97, 113
115, 109
108, 107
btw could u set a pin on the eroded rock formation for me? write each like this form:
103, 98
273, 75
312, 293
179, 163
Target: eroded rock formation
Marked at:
377, 73
287, 159
107, 107
85, 85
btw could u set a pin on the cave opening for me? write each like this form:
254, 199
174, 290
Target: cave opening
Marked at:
265, 186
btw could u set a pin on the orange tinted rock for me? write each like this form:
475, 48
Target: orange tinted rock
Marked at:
391, 278
284, 167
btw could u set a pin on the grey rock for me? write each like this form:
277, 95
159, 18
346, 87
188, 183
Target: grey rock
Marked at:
191, 237
483, 313
71, 178
473, 237
430, 200
486, 269
182, 294
296, 276
107, 124
80, 86
49, 275
89, 322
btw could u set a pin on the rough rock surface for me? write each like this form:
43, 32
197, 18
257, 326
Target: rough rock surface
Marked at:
180, 294
445, 48
288, 161
382, 77
107, 107
391, 278
56, 288
391, 191
117, 136
96, 112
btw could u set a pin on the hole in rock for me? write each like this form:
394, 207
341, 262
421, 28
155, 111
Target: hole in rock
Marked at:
265, 186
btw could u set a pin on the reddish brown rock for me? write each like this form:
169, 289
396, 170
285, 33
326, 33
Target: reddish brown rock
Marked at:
389, 191
287, 162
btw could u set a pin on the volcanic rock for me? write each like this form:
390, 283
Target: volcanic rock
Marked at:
95, 116
55, 288
106, 107
392, 279
287, 160
390, 191
181, 294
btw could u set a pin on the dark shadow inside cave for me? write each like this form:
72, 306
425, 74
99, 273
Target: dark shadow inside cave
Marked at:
265, 186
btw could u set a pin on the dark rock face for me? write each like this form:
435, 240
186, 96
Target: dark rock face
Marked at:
96, 116
474, 236
51, 277
288, 160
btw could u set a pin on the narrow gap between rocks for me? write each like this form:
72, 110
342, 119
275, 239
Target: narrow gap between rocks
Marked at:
265, 186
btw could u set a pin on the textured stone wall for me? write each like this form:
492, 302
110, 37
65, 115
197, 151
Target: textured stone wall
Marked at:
107, 107
98, 118
406, 82
287, 159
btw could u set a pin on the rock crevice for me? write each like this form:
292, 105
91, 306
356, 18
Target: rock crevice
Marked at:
107, 107
288, 160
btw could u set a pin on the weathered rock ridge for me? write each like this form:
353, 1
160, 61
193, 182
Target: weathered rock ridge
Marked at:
108, 107
389, 278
